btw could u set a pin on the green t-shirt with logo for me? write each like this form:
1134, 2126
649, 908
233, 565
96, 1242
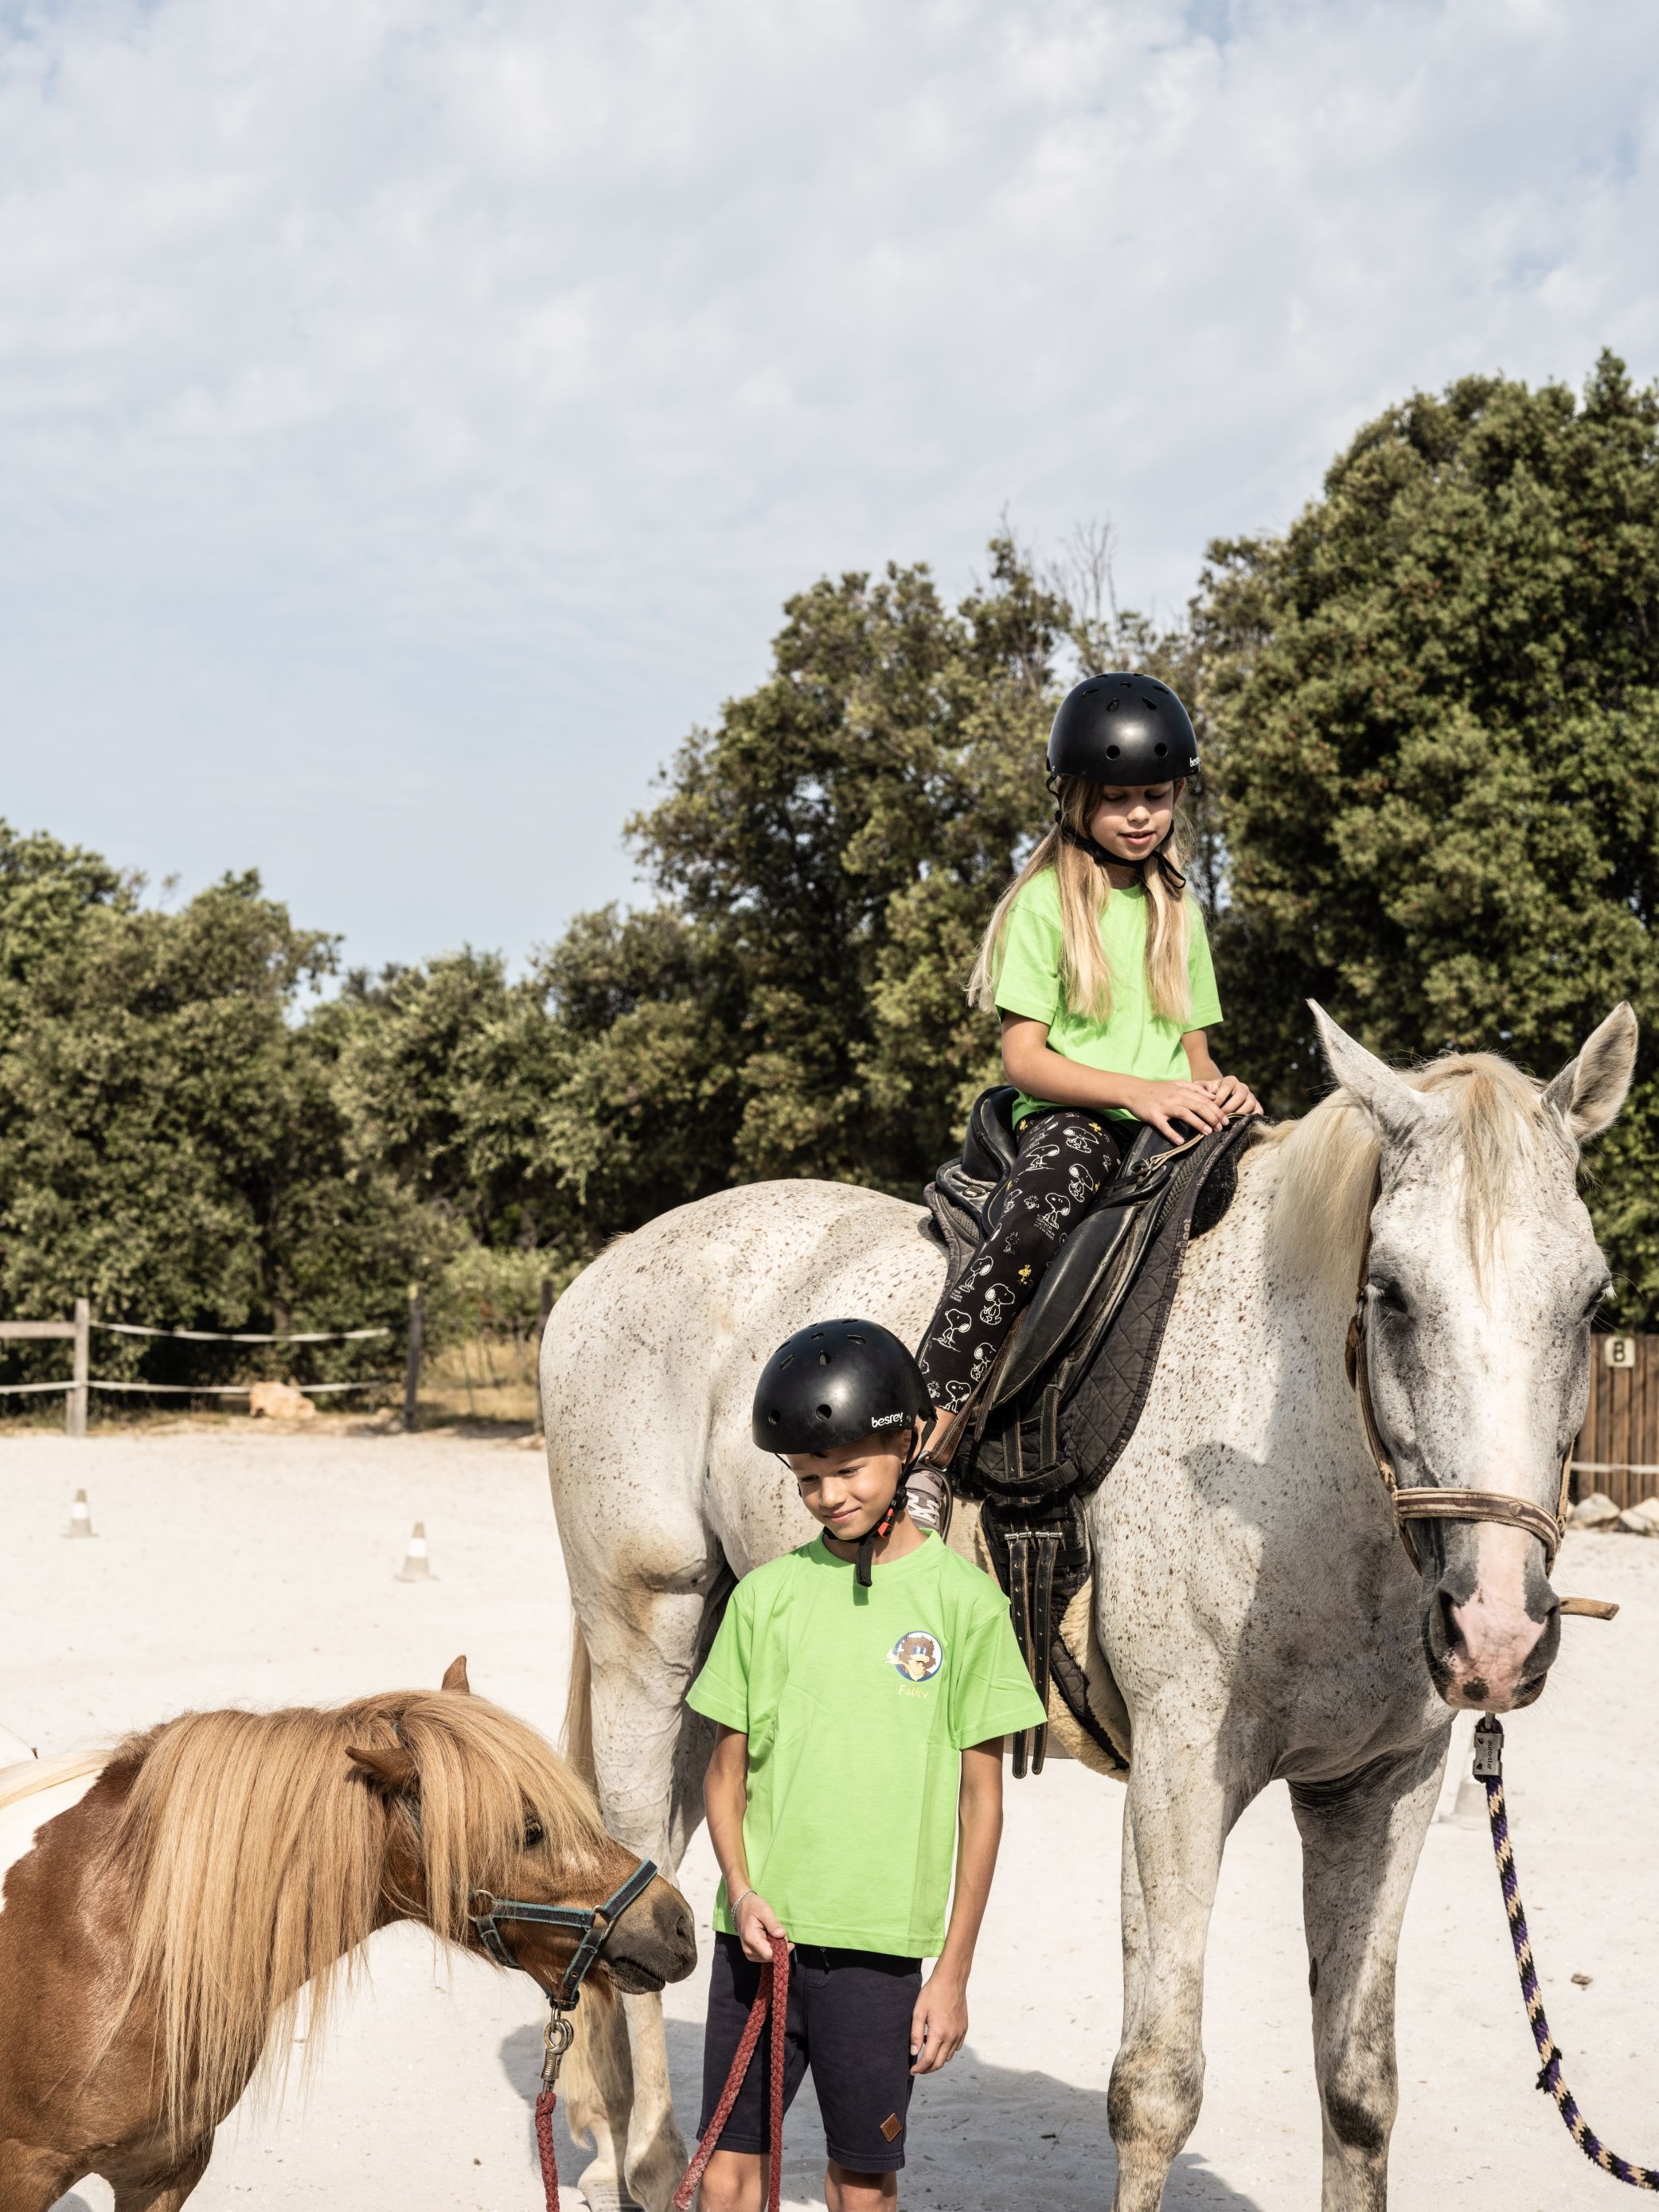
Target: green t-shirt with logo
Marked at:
1132, 1040
857, 1705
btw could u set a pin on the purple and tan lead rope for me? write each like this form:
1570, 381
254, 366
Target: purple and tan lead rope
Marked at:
1489, 1769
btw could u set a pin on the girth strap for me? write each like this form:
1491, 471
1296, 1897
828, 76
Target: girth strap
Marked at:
1032, 1557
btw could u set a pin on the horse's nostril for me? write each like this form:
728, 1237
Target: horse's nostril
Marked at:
1447, 1637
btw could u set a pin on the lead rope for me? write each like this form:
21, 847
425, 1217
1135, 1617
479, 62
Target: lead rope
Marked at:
1489, 1769
774, 1976
556, 2039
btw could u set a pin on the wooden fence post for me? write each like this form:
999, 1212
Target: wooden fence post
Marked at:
541, 1331
74, 1404
412, 1370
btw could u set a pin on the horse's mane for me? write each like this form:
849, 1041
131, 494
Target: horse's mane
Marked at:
257, 1851
29, 1777
1328, 1161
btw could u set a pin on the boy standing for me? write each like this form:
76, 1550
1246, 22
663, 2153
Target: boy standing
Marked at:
862, 1687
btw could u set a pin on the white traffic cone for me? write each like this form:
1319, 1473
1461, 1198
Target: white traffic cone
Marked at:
417, 1565
79, 1519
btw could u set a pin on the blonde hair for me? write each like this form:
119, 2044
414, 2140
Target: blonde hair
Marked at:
257, 1854
1084, 889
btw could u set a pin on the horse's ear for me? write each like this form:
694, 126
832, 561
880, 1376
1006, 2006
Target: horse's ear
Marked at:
393, 1768
1590, 1089
455, 1676
1395, 1109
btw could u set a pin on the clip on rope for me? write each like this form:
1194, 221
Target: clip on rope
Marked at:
1489, 1769
774, 1978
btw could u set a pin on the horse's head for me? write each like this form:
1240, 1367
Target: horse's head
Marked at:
1482, 1276
483, 1815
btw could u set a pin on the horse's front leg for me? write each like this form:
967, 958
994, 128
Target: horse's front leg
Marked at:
1183, 1798
649, 1790
1360, 1844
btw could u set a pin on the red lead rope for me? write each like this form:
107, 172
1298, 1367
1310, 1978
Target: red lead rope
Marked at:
775, 1975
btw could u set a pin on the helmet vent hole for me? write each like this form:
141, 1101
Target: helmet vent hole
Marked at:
822, 1413
773, 1416
1160, 750
1112, 751
824, 1359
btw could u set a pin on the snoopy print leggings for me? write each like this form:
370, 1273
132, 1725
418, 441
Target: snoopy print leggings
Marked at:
1064, 1158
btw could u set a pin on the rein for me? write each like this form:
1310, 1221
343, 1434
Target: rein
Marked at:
486, 1911
1430, 1502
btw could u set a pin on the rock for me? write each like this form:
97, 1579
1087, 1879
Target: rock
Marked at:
1649, 1510
1636, 1523
280, 1401
1595, 1511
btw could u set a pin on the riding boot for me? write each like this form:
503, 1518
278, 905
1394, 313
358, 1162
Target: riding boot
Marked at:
927, 1495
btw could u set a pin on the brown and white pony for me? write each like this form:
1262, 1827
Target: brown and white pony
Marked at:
164, 1904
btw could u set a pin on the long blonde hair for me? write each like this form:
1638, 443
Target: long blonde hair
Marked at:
1084, 889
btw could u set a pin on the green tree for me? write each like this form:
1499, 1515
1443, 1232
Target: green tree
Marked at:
172, 1142
1435, 707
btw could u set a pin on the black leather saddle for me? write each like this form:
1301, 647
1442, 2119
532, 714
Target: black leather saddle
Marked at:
1055, 1413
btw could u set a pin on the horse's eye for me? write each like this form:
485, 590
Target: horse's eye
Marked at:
534, 1833
1595, 1312
1389, 1295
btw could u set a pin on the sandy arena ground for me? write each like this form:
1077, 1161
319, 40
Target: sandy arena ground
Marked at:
247, 1567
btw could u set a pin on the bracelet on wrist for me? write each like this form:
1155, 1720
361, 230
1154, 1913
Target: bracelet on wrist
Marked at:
741, 1897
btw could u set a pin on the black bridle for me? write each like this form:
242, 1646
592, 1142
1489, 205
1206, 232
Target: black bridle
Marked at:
486, 1911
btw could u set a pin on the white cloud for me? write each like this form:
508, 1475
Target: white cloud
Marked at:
412, 415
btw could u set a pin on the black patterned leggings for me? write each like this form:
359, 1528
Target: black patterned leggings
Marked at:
1064, 1158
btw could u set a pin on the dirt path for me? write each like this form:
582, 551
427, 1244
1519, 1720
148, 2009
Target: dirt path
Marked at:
242, 1566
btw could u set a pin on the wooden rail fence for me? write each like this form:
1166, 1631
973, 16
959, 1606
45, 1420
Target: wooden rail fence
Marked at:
1618, 1447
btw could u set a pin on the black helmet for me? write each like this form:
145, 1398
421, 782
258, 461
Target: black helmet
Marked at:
836, 1382
842, 1383
1122, 730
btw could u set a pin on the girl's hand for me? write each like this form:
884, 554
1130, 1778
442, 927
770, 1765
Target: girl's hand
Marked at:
1164, 1104
1231, 1095
756, 1925
938, 2026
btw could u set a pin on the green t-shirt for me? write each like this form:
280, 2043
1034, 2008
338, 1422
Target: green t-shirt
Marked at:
1132, 1040
857, 1705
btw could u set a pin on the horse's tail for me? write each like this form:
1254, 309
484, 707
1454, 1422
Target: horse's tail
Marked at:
579, 1706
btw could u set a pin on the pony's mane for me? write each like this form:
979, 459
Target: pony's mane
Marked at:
29, 1777
1328, 1161
257, 1851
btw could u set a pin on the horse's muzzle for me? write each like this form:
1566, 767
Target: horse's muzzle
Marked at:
1492, 1624
654, 1943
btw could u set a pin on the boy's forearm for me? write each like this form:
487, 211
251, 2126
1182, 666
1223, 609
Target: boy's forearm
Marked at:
980, 1816
725, 1801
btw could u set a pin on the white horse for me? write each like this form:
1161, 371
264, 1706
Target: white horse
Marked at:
1293, 1639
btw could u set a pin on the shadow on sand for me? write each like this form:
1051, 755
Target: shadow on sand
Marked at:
983, 2134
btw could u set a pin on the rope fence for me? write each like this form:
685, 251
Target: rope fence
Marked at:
77, 1387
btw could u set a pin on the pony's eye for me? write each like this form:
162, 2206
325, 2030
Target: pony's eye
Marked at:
534, 1833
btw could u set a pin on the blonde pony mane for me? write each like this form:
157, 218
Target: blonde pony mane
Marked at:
1328, 1161
257, 1851
29, 1777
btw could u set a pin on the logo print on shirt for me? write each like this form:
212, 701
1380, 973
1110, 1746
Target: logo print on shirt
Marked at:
917, 1656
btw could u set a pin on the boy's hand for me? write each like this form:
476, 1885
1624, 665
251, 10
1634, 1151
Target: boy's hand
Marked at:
756, 1925
938, 2026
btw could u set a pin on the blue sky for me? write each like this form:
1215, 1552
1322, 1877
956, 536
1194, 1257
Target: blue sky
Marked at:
414, 412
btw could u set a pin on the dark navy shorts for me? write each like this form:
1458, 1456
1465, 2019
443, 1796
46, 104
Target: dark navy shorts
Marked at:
849, 2018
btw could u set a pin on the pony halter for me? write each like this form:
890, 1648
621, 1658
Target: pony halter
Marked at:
594, 1923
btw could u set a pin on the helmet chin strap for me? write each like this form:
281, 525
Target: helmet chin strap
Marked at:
884, 1528
1103, 859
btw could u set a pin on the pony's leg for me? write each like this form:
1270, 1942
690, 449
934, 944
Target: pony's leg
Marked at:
31, 2180
1183, 1802
641, 1668
1360, 1845
163, 2196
